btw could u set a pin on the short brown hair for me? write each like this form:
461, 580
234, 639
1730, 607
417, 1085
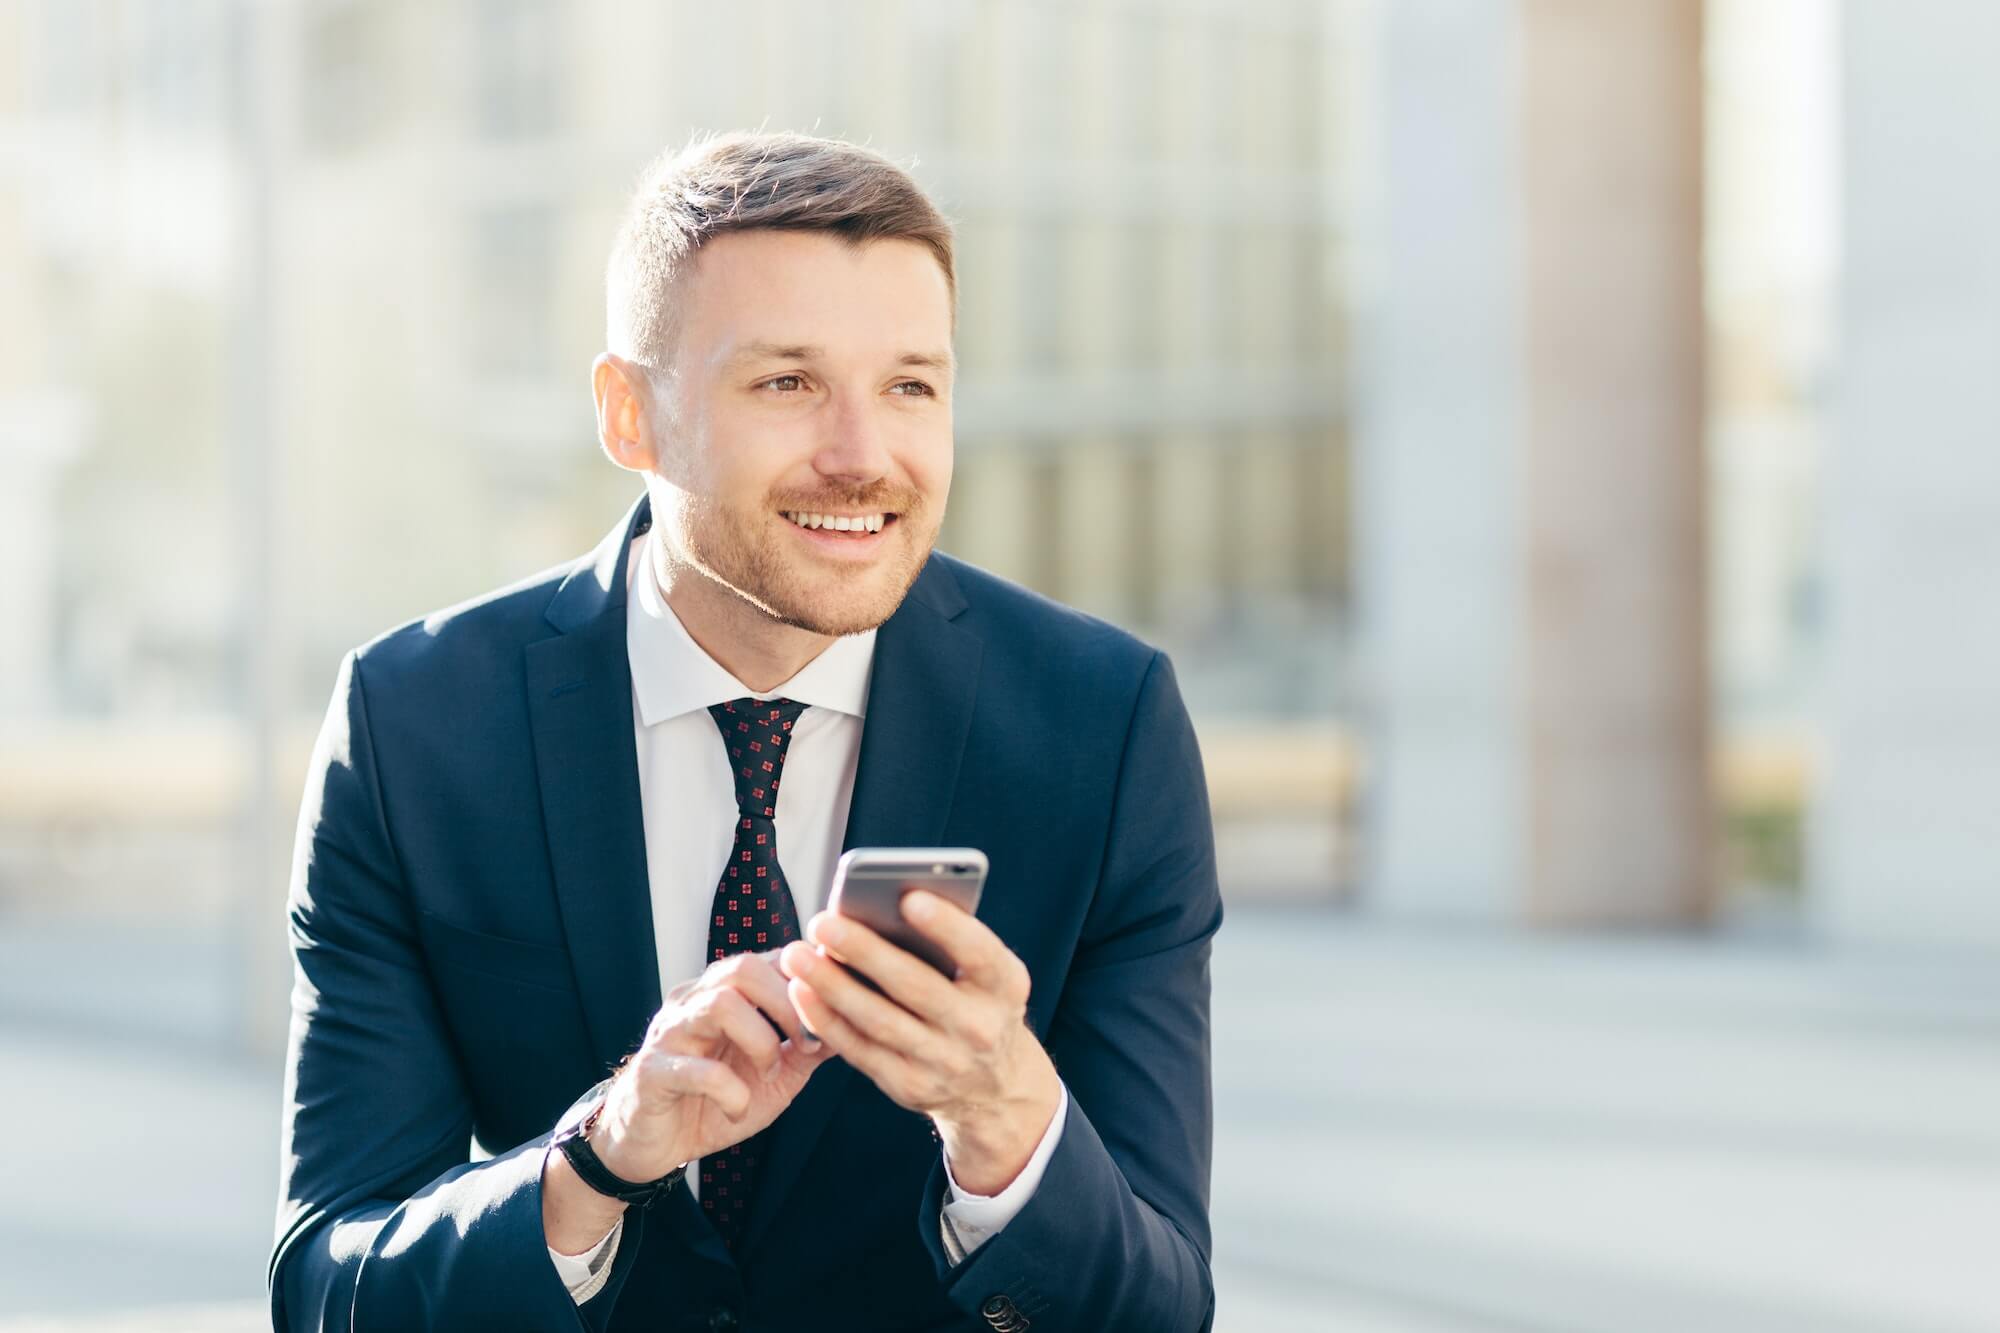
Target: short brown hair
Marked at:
741, 182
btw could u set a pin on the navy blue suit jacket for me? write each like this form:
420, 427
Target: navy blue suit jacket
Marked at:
473, 943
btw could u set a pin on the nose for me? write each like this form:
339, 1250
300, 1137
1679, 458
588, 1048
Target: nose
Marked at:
851, 445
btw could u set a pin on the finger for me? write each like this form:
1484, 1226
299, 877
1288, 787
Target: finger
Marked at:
905, 978
665, 1074
803, 1056
983, 958
885, 1068
757, 978
725, 1013
878, 1018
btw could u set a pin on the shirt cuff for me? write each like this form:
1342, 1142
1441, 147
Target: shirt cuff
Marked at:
585, 1274
970, 1220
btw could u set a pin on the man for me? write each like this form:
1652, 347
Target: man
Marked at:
531, 820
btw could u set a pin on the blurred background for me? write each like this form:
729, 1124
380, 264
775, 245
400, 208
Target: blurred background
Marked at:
1567, 427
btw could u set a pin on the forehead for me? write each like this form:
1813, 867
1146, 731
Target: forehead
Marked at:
797, 287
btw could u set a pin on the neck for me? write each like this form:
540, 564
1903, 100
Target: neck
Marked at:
747, 642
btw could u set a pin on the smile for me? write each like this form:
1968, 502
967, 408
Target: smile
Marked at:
859, 523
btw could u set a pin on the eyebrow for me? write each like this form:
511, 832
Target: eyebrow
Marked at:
769, 351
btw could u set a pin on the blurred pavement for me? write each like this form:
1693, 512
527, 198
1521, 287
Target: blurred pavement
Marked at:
1417, 1133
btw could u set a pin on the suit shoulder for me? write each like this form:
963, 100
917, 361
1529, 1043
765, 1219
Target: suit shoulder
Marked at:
1013, 616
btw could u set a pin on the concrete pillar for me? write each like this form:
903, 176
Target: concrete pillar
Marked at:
1610, 117
1905, 835
1528, 465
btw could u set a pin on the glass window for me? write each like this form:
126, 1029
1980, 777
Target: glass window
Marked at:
346, 74
510, 302
517, 67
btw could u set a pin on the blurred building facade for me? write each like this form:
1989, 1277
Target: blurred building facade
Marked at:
1295, 335
1150, 411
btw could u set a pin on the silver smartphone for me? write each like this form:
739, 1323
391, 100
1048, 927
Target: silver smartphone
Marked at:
869, 884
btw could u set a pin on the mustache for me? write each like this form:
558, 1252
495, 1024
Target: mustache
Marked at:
879, 497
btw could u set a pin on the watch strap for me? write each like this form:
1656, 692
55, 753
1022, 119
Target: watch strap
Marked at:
574, 1144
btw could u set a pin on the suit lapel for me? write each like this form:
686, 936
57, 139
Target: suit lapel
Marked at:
920, 699
580, 708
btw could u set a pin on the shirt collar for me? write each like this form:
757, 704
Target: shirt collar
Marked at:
672, 674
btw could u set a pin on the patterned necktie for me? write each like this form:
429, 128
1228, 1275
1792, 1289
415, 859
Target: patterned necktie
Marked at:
753, 910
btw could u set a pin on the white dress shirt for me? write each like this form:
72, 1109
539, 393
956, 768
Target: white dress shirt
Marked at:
688, 806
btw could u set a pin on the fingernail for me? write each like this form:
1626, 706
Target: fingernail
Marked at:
918, 905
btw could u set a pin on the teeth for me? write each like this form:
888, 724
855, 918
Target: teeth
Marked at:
839, 522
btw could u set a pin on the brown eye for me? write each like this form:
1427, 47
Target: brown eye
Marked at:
786, 383
912, 389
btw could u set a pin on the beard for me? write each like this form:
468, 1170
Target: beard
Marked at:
747, 552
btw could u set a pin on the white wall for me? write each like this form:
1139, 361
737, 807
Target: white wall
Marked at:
1906, 836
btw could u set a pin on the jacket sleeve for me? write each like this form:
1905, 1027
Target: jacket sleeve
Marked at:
382, 1220
1117, 1234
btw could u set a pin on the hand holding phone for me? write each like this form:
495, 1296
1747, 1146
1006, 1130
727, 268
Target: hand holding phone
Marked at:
964, 1052
869, 884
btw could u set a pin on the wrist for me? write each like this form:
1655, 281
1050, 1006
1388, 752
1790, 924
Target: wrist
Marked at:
987, 1146
574, 1216
623, 1151
577, 1144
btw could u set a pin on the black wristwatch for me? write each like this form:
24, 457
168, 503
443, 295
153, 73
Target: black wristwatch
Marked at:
574, 1143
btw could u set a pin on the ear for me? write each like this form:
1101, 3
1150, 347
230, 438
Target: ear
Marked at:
624, 412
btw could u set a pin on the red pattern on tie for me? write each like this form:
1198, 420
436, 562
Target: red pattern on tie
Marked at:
753, 910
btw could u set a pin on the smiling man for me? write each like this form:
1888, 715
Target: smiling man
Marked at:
565, 850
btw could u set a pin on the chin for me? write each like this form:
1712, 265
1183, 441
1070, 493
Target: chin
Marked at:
804, 589
841, 608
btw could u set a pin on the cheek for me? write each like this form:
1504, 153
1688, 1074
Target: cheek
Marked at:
929, 469
738, 467
755, 455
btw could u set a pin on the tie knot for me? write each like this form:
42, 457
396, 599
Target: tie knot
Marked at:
756, 733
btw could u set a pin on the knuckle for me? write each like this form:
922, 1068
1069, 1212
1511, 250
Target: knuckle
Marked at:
652, 1069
